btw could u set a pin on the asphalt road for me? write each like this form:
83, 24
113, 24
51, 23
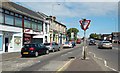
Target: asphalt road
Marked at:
51, 62
55, 61
108, 57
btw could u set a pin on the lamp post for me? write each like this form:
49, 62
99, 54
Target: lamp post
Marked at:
53, 17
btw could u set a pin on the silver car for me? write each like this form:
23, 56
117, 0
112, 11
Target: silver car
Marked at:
53, 46
105, 44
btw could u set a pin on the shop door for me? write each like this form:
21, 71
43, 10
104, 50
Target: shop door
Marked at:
6, 44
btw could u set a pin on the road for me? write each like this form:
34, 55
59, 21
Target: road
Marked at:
55, 61
107, 57
51, 62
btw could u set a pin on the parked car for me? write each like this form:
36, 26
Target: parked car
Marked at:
78, 41
92, 42
34, 50
53, 46
73, 43
67, 44
105, 44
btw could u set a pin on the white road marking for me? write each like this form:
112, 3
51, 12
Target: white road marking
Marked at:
105, 62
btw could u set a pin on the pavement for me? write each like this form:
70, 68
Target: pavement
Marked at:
84, 65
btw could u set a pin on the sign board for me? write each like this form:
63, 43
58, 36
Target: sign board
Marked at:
85, 24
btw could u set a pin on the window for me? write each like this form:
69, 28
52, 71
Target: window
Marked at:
39, 27
27, 24
11, 13
34, 26
7, 12
1, 18
46, 28
9, 19
1, 10
16, 15
18, 21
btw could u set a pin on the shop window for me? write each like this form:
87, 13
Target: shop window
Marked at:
1, 42
9, 19
18, 22
1, 18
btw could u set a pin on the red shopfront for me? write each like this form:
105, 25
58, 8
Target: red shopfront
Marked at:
27, 38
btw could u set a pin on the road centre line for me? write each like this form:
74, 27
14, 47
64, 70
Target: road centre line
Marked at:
105, 62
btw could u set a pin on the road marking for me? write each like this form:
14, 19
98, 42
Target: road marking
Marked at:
105, 62
65, 65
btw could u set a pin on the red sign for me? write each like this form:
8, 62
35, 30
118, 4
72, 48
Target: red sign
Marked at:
85, 24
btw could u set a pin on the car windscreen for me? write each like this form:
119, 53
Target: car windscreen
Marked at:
46, 44
106, 42
66, 42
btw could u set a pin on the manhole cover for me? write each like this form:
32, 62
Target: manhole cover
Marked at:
71, 57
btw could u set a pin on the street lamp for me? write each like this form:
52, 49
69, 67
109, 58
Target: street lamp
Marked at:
53, 16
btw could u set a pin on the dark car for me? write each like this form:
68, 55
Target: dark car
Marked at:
92, 42
34, 50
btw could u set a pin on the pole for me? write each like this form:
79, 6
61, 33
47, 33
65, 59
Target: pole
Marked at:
84, 46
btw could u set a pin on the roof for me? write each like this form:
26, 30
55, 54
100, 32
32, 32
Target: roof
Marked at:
21, 10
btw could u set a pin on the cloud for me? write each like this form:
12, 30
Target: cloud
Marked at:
65, 0
74, 9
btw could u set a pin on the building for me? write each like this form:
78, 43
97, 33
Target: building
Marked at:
44, 37
115, 36
18, 25
57, 31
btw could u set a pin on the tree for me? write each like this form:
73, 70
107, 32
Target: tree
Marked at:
75, 31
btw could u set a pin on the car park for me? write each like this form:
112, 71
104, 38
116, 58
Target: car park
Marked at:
53, 46
105, 44
34, 50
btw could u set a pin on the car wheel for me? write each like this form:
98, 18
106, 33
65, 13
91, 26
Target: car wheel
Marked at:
59, 49
36, 54
53, 50
47, 51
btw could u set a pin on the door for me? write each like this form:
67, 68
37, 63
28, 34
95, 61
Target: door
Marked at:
6, 44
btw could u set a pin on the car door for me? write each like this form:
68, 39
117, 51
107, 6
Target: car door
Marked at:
57, 47
53, 45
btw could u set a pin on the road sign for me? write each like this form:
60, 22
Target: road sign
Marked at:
85, 24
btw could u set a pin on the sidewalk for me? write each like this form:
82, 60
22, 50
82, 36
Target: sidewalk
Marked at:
11, 55
84, 65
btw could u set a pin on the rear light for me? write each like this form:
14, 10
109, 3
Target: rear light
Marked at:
51, 44
22, 49
31, 49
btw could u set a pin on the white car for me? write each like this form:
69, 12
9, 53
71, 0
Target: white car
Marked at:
105, 44
67, 44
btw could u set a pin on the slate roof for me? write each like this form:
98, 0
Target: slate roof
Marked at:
21, 10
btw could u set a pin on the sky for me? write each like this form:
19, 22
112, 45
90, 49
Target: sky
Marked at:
103, 14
